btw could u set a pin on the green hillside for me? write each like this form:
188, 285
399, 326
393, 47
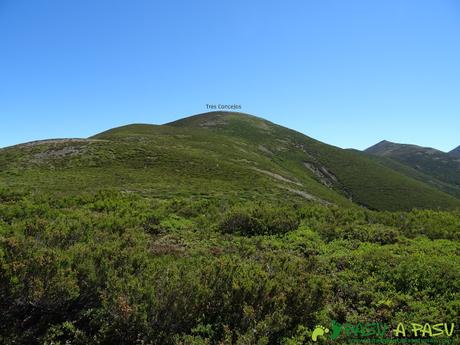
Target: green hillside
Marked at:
215, 154
348, 172
455, 152
434, 167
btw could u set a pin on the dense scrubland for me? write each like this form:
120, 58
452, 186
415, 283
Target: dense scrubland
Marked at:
118, 268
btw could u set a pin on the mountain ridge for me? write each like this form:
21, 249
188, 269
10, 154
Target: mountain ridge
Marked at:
435, 167
386, 147
216, 153
455, 152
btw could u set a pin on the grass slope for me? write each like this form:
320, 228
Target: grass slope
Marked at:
353, 174
455, 152
439, 169
214, 155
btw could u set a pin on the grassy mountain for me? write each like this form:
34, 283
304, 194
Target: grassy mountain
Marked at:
388, 148
434, 167
348, 172
455, 152
215, 154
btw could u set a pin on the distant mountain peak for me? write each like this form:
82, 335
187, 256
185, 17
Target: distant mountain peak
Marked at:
388, 148
440, 169
455, 152
383, 147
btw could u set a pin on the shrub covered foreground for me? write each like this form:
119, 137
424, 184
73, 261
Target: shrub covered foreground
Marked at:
112, 268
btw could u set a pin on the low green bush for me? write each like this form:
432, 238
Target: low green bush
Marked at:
117, 268
259, 220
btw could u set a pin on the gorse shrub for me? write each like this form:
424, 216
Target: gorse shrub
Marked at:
259, 220
117, 268
376, 233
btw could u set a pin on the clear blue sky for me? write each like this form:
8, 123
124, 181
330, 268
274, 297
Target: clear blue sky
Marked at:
349, 73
